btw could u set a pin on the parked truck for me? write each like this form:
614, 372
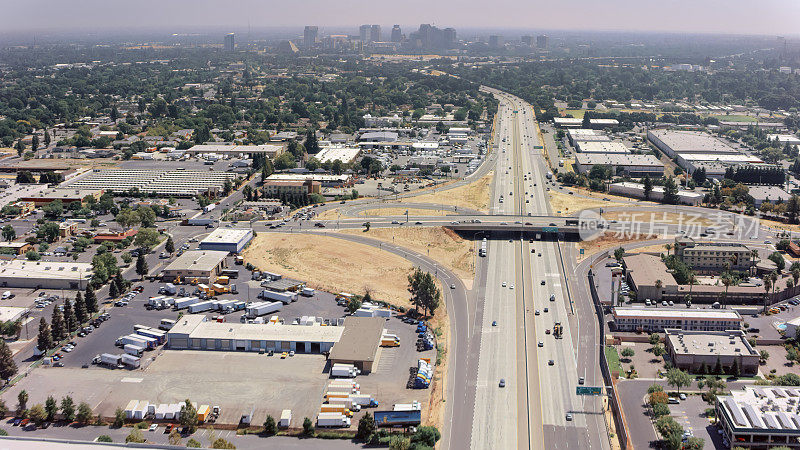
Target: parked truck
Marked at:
168, 289
132, 339
209, 207
285, 297
365, 400
286, 419
262, 308
307, 292
185, 302
344, 370
202, 306
132, 349
336, 408
332, 420
107, 359
130, 361
158, 335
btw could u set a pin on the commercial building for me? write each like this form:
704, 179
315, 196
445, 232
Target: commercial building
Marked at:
636, 190
636, 166
656, 320
675, 142
644, 273
204, 265
325, 180
66, 195
603, 123
229, 43
275, 189
268, 150
310, 36
196, 332
792, 326
359, 342
115, 236
760, 417
18, 248
178, 183
45, 274
713, 256
567, 122
694, 350
227, 240
576, 135
784, 139
343, 153
602, 147
542, 41
769, 194
379, 136
693, 161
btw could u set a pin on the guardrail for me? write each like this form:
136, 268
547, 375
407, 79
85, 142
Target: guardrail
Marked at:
616, 408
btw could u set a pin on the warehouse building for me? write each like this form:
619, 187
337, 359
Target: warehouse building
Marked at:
636, 190
359, 342
178, 183
325, 180
679, 142
693, 350
760, 417
269, 150
227, 240
275, 189
769, 194
343, 153
656, 320
567, 122
586, 135
204, 265
44, 274
636, 166
614, 147
693, 161
65, 195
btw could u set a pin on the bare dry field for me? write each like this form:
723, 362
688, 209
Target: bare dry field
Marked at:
332, 264
474, 195
382, 212
610, 241
442, 245
658, 217
565, 205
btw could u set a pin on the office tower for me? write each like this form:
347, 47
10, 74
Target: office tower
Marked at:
363, 32
230, 43
310, 36
527, 40
375, 33
449, 37
495, 41
541, 41
397, 34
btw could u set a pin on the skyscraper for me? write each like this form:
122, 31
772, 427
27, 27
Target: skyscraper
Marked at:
375, 33
541, 41
527, 40
230, 42
397, 34
449, 37
495, 41
363, 32
310, 36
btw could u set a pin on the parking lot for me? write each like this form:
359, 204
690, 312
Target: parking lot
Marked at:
690, 413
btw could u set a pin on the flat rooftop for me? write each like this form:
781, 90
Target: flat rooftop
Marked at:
203, 260
269, 149
691, 141
617, 159
226, 236
166, 182
20, 268
676, 313
604, 147
769, 408
343, 154
646, 269
197, 327
360, 340
709, 343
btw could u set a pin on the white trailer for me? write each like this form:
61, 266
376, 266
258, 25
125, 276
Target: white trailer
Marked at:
132, 349
263, 308
161, 411
202, 306
158, 335
134, 339
333, 420
286, 418
285, 297
130, 361
185, 302
307, 292
343, 371
130, 408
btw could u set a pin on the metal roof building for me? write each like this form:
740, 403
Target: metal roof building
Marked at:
227, 240
679, 142
633, 165
760, 416
359, 343
204, 265
180, 183
602, 147
270, 150
45, 274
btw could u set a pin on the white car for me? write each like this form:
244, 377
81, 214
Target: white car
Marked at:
511, 287
504, 284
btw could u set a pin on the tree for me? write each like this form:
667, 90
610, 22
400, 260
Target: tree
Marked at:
33, 255
655, 388
147, 238
37, 414
678, 378
113, 292
8, 368
424, 292
174, 437
735, 370
84, 413
135, 436
627, 353
660, 410
22, 400
427, 436
19, 147
270, 429
54, 209
311, 144
119, 418
48, 231
44, 340
91, 299
189, 416
69, 317
763, 356
141, 266
50, 408
670, 191
353, 305
80, 309
671, 432
619, 253
308, 427
397, 442
9, 233
658, 350
221, 443
170, 245
192, 443
57, 325
366, 426
718, 367
696, 443
104, 438
654, 338
777, 258
68, 408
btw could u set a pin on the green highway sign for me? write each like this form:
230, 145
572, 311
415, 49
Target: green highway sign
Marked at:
588, 390
550, 229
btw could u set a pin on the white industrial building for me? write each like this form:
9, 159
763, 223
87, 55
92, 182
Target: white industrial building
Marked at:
20, 273
784, 139
770, 194
634, 165
227, 239
615, 147
204, 265
179, 183
636, 190
325, 180
692, 161
681, 142
269, 150
343, 153
760, 416
567, 122
586, 135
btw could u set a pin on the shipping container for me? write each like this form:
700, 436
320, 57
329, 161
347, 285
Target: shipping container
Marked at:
203, 412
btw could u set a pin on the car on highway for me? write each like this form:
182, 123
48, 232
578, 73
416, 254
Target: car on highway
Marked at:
551, 363
536, 313
395, 222
581, 380
494, 323
542, 282
452, 286
504, 284
417, 223
569, 417
502, 382
541, 344
511, 287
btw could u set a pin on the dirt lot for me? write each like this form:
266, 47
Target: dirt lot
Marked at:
402, 211
612, 241
571, 204
442, 245
474, 195
659, 217
332, 264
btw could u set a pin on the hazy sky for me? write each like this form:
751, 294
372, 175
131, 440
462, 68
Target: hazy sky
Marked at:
770, 17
